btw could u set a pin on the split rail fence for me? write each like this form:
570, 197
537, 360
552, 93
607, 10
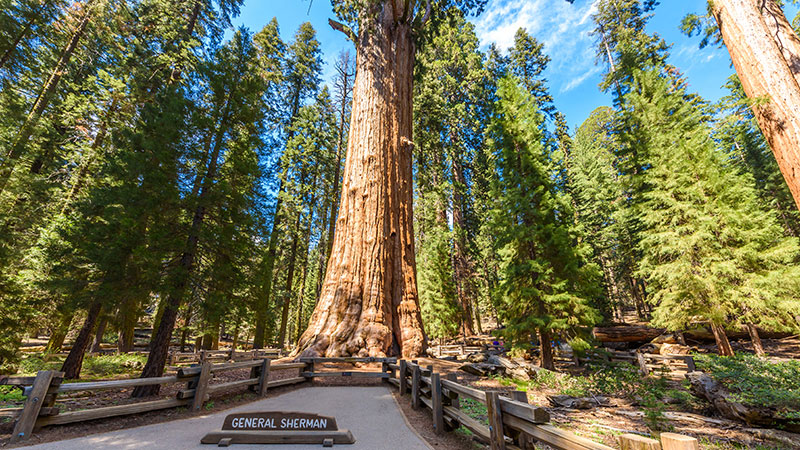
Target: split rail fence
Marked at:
512, 422
41, 391
672, 366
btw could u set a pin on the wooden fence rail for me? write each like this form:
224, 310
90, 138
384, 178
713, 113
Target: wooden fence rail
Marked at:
41, 391
512, 422
672, 366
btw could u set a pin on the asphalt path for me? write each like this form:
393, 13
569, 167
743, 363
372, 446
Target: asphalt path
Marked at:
370, 413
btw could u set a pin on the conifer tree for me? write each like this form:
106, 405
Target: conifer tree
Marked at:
739, 135
710, 251
545, 284
597, 191
449, 96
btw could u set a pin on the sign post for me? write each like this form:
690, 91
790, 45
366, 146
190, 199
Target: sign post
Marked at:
277, 427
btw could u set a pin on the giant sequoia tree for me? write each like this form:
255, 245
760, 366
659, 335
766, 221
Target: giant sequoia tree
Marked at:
766, 53
369, 303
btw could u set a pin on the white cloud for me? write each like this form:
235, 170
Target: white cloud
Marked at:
563, 28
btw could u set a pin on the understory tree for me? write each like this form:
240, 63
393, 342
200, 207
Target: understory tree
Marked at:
710, 251
546, 283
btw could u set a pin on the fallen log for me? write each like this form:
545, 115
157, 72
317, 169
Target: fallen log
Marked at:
643, 333
633, 333
704, 386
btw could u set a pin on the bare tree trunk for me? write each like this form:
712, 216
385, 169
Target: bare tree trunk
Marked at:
756, 339
98, 335
261, 308
546, 355
369, 304
269, 267
723, 345
289, 283
344, 90
72, 365
766, 54
49, 88
236, 329
58, 334
127, 325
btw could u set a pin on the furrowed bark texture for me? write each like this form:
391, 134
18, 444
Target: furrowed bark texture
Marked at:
369, 304
766, 54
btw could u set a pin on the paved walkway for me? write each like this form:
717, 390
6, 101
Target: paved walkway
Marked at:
370, 413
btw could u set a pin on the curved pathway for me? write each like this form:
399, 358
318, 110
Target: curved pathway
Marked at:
370, 413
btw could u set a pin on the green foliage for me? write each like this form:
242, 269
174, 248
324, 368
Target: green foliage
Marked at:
94, 366
757, 381
740, 139
624, 43
11, 394
545, 282
709, 248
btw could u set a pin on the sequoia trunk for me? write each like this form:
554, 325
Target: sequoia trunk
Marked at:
369, 305
766, 54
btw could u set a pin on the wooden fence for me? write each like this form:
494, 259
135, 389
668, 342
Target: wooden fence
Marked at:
178, 358
671, 366
512, 422
41, 391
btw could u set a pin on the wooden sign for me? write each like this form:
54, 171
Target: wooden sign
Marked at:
279, 421
278, 427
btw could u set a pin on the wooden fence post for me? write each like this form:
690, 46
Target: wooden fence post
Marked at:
637, 442
642, 364
402, 376
523, 440
497, 439
674, 441
436, 403
385, 369
454, 402
263, 380
202, 386
33, 405
415, 376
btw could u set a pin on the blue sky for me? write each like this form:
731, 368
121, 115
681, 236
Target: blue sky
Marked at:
564, 28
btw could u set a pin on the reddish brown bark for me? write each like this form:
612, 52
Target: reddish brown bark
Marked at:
546, 356
723, 344
462, 268
369, 304
766, 54
98, 336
